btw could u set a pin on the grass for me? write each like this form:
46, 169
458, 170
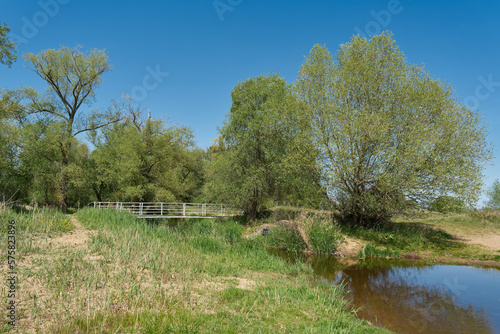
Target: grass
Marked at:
404, 236
308, 230
430, 233
36, 221
199, 276
371, 251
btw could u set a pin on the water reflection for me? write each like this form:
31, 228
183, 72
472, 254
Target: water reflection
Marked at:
399, 298
412, 297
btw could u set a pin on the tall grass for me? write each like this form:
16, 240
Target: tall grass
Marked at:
487, 215
312, 231
35, 220
31, 226
138, 277
324, 236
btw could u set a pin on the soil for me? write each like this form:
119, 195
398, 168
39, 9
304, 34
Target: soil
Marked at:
491, 241
349, 247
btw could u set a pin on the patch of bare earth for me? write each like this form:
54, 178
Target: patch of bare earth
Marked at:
491, 241
349, 247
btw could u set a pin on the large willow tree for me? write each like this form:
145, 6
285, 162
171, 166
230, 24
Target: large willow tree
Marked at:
389, 133
72, 77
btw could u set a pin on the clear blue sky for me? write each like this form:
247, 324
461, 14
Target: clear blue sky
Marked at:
206, 50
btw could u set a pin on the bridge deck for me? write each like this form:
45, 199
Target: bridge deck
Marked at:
170, 210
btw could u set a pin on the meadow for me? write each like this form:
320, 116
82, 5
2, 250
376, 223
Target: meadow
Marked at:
103, 271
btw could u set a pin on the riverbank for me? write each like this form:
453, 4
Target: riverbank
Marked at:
106, 272
468, 238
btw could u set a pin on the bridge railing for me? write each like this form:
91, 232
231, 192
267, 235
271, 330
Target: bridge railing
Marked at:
160, 209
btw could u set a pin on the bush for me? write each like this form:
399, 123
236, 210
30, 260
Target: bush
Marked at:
324, 237
486, 214
286, 238
447, 204
494, 196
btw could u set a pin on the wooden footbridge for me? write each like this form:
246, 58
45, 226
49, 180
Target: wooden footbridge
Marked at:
170, 210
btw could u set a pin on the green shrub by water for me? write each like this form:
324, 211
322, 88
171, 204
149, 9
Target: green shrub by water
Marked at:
285, 238
324, 237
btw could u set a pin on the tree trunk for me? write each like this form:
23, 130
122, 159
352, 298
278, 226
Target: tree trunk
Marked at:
63, 190
63, 182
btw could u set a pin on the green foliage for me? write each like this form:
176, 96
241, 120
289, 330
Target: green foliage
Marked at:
493, 194
486, 214
35, 221
278, 213
387, 131
447, 204
324, 237
263, 156
145, 160
405, 237
285, 238
190, 239
206, 244
7, 47
72, 77
371, 251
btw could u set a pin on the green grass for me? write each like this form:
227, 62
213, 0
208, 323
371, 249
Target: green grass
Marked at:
285, 238
431, 233
200, 276
36, 221
310, 230
406, 236
325, 237
31, 226
371, 251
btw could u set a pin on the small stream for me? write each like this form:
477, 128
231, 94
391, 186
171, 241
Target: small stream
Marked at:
414, 297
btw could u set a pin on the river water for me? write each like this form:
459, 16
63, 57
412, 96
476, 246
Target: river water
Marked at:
414, 297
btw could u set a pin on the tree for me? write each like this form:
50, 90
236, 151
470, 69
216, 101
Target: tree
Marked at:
144, 159
8, 186
494, 195
7, 47
447, 204
72, 77
387, 131
262, 157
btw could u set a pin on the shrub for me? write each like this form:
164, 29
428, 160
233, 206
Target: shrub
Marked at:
324, 237
447, 204
287, 238
494, 196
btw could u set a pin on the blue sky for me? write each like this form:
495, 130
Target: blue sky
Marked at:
201, 49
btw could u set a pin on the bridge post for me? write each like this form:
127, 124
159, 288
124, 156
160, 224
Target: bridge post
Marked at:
140, 208
161, 209
183, 209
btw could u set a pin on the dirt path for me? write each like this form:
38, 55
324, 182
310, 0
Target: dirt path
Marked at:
76, 238
33, 278
490, 241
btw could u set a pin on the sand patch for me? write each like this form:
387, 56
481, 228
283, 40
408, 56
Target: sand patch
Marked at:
349, 247
491, 241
